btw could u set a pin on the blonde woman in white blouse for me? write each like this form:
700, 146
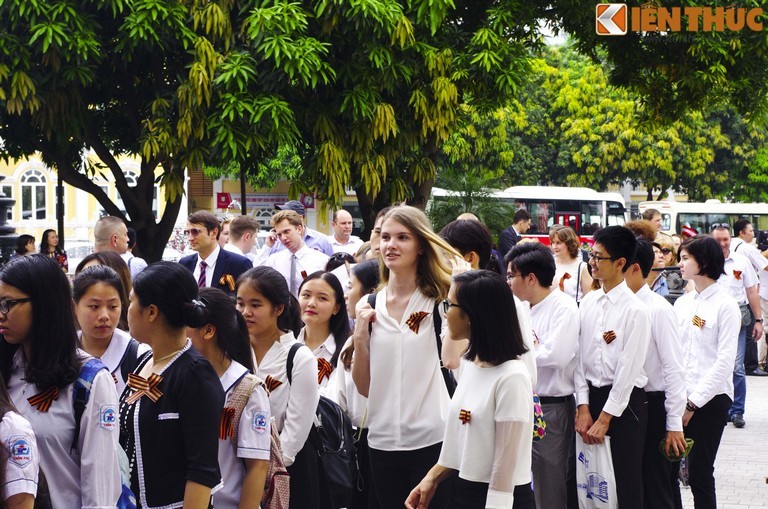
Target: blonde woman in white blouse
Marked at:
708, 321
489, 421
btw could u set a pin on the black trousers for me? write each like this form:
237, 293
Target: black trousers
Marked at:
365, 494
472, 495
396, 473
627, 434
706, 430
659, 475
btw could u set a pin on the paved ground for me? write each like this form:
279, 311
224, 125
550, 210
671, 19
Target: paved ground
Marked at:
741, 468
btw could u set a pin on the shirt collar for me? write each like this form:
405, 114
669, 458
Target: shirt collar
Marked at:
232, 375
329, 344
116, 349
708, 292
211, 260
615, 294
644, 293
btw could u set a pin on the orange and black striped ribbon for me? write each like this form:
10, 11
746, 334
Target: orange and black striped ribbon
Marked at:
229, 280
699, 322
144, 387
227, 419
271, 383
415, 319
465, 416
114, 378
563, 279
43, 400
324, 370
609, 336
737, 275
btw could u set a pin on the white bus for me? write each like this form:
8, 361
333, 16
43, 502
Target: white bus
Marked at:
699, 217
585, 210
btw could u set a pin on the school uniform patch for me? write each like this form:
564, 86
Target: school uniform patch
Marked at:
260, 422
108, 417
20, 448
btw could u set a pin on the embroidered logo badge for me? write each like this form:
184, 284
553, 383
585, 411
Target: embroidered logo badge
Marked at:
260, 422
108, 417
20, 449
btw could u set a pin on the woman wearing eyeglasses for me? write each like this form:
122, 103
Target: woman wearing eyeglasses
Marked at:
40, 362
489, 426
397, 365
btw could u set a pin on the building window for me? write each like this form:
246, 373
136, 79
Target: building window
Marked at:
8, 192
33, 195
131, 178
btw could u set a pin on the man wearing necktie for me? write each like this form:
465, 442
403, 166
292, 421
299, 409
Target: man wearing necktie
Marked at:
297, 260
211, 265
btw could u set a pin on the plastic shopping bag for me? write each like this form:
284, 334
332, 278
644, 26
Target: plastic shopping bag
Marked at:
595, 480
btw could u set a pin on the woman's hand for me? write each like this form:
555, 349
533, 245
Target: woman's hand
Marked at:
365, 315
421, 495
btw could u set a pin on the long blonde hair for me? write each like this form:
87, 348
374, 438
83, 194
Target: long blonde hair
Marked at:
433, 273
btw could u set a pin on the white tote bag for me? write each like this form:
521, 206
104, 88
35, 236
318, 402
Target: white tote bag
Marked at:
595, 480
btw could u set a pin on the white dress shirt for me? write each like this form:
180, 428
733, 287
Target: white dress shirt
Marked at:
620, 362
709, 351
324, 351
350, 247
407, 396
114, 355
341, 389
135, 264
253, 439
292, 405
555, 322
759, 262
90, 478
739, 275
664, 362
308, 261
211, 266
22, 456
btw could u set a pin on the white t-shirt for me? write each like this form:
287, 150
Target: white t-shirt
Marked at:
292, 405
758, 261
253, 439
491, 395
709, 351
407, 396
739, 275
91, 478
555, 322
23, 456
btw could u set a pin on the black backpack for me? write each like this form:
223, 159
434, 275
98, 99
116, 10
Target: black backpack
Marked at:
333, 439
448, 378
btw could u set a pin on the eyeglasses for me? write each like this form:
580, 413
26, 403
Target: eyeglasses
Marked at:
665, 250
193, 231
510, 277
448, 304
7, 304
724, 226
593, 256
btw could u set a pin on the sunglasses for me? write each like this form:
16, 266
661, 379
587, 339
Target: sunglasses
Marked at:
666, 250
193, 231
716, 226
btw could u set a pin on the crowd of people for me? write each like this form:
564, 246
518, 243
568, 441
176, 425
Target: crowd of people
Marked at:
170, 381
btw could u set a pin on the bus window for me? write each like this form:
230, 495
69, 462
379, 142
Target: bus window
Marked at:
666, 222
542, 216
591, 217
568, 219
697, 222
615, 213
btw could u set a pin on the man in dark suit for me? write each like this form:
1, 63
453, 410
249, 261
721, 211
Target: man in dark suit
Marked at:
211, 265
521, 222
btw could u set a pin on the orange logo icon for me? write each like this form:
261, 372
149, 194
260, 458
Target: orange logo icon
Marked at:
611, 19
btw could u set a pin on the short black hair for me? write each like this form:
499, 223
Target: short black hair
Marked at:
740, 225
466, 235
368, 274
521, 215
206, 219
620, 242
486, 298
708, 255
273, 286
644, 255
533, 257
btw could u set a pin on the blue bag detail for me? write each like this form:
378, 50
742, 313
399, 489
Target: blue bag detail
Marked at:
81, 392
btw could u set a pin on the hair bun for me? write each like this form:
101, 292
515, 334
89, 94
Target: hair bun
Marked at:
193, 313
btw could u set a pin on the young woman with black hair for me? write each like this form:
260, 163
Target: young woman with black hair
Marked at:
98, 295
326, 325
171, 409
223, 340
397, 363
115, 262
25, 245
709, 322
489, 421
266, 304
49, 246
40, 361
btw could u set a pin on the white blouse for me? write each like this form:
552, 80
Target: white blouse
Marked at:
407, 396
89, 478
325, 351
341, 390
572, 282
709, 348
487, 400
293, 406
114, 355
22, 456
253, 439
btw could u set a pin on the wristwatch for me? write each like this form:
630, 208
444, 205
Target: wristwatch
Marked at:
691, 407
758, 320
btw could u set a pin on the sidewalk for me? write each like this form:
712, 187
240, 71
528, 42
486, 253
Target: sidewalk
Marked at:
741, 468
